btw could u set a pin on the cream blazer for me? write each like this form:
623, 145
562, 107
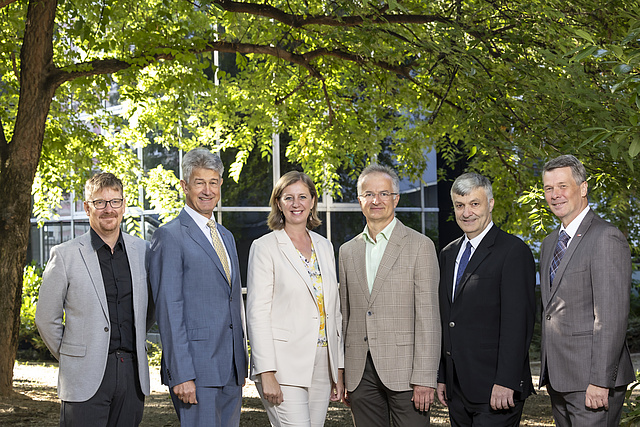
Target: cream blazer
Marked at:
283, 318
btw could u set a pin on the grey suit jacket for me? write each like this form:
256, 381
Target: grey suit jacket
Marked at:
585, 311
399, 322
73, 317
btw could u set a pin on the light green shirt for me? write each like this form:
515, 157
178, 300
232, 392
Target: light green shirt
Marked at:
375, 250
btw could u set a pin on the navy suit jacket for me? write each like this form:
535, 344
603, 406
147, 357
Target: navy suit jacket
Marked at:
487, 328
200, 315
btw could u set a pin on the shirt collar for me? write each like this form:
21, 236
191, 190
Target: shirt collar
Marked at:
572, 228
199, 219
97, 242
385, 233
476, 240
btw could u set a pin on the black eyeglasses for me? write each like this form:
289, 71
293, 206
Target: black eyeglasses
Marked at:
101, 204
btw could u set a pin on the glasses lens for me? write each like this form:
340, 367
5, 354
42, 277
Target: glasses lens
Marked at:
116, 203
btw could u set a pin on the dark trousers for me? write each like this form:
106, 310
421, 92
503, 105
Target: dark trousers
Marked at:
374, 405
119, 401
569, 409
462, 412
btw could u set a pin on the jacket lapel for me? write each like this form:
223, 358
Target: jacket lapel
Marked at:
135, 266
195, 233
391, 254
451, 267
482, 251
545, 264
360, 264
91, 263
573, 246
290, 252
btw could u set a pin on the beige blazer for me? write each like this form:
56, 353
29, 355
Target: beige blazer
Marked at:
283, 318
399, 322
584, 313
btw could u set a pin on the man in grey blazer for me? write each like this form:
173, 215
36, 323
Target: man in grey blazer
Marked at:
585, 279
390, 314
195, 278
93, 312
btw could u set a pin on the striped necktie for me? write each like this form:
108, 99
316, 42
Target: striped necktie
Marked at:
558, 253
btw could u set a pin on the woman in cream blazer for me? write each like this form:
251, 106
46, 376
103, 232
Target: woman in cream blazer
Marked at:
293, 310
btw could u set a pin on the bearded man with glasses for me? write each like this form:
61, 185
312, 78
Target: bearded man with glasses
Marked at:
93, 313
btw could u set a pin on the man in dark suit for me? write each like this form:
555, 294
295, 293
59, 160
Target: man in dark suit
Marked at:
585, 279
487, 305
195, 279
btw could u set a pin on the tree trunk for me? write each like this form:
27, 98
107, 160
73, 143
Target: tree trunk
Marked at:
19, 161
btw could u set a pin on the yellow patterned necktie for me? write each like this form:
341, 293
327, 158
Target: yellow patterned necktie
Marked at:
217, 245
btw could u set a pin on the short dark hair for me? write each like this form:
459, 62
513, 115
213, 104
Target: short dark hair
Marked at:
568, 161
275, 221
102, 180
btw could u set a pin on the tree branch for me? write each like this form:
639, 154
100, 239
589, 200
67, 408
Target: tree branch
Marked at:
112, 65
6, 3
298, 21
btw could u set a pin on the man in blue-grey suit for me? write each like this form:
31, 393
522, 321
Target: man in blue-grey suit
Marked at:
195, 280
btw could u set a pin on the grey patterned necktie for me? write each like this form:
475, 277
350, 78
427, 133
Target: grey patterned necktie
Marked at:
558, 253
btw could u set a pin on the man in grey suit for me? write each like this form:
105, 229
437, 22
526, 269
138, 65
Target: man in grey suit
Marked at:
390, 314
585, 279
93, 312
195, 278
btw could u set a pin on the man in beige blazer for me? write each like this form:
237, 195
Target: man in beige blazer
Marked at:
390, 315
585, 279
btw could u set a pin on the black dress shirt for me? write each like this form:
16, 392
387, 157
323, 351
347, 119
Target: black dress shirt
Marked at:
116, 275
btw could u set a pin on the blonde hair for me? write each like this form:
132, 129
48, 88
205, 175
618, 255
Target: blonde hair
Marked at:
102, 180
275, 220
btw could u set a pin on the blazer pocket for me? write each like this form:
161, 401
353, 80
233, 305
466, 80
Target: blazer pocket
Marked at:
281, 334
198, 334
404, 339
76, 350
581, 333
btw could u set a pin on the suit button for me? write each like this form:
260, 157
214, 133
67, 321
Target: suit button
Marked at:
448, 353
452, 324
369, 313
231, 326
365, 339
548, 317
106, 329
231, 298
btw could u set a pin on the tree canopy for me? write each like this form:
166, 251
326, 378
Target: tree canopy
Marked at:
503, 85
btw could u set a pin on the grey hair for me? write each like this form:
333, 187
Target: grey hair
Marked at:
568, 161
200, 158
467, 182
376, 168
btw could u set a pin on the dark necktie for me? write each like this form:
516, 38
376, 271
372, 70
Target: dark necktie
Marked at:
461, 267
558, 253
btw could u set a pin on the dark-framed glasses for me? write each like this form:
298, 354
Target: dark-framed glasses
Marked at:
101, 204
382, 196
